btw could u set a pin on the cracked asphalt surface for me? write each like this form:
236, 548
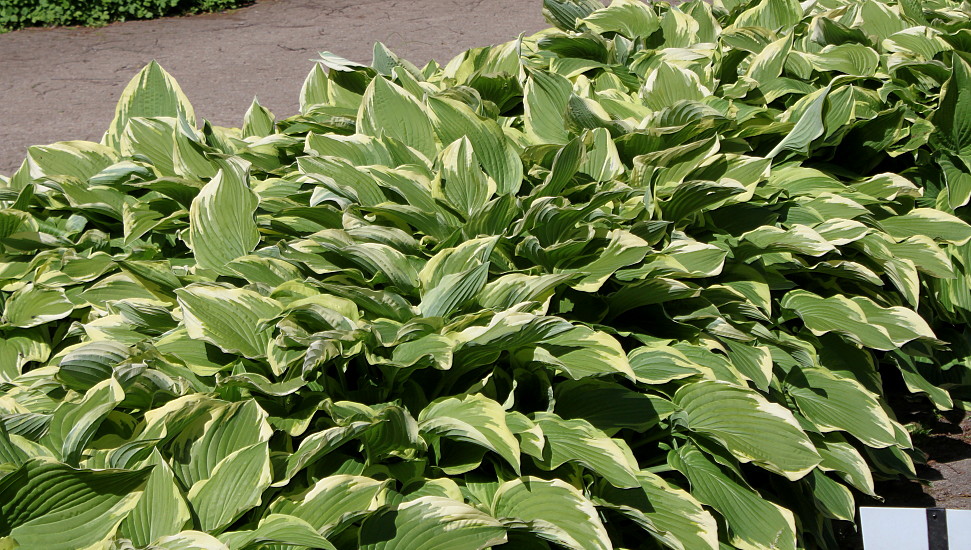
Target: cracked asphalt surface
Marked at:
62, 84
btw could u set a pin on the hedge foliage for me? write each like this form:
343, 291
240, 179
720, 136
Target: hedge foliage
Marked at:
639, 281
17, 14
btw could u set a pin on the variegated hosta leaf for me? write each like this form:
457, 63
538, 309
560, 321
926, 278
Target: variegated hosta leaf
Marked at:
434, 523
579, 442
162, 511
748, 426
79, 159
669, 514
610, 406
221, 224
859, 318
152, 93
472, 419
227, 317
545, 101
582, 352
73, 425
753, 522
453, 120
189, 540
236, 485
278, 529
628, 17
387, 109
332, 500
832, 402
572, 290
551, 510
83, 507
31, 306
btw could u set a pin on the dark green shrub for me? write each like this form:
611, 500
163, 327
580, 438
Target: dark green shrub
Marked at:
16, 14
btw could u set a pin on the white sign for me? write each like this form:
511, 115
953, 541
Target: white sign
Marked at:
915, 529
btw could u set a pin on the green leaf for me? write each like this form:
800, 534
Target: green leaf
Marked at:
202, 358
227, 317
609, 406
843, 458
668, 84
663, 364
832, 402
833, 498
566, 164
624, 249
78, 159
210, 438
748, 426
808, 127
851, 59
90, 363
235, 486
772, 15
798, 238
277, 529
315, 89
466, 187
453, 120
579, 442
189, 540
162, 510
859, 318
332, 500
472, 419
430, 523
221, 223
153, 138
683, 258
258, 121
582, 352
930, 223
388, 110
19, 347
31, 306
680, 30
319, 444
453, 290
545, 99
564, 13
753, 521
630, 18
552, 510
73, 425
151, 93
769, 63
511, 289
952, 115
50, 505
669, 514
602, 161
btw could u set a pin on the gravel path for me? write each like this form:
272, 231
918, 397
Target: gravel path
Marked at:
61, 84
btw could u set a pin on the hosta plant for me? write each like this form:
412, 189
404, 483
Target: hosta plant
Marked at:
637, 281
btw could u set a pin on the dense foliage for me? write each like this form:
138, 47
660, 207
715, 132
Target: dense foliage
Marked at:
637, 281
16, 14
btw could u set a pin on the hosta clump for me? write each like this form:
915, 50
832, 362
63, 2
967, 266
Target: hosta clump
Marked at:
633, 282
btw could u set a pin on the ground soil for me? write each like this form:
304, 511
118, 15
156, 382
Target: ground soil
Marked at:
945, 478
61, 84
